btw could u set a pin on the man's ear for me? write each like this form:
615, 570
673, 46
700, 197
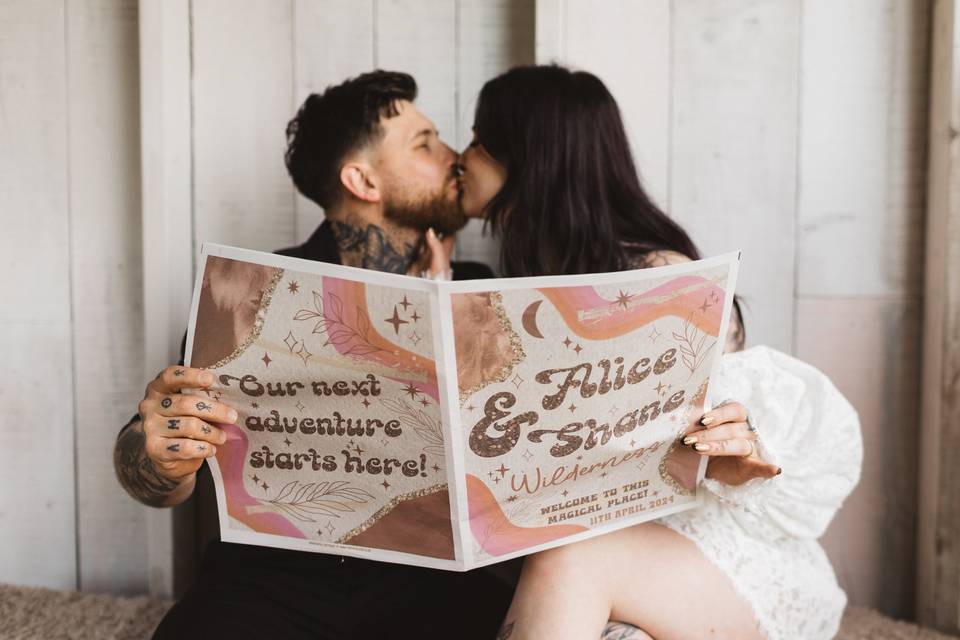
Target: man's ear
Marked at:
359, 179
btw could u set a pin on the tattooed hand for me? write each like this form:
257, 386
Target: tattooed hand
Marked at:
157, 457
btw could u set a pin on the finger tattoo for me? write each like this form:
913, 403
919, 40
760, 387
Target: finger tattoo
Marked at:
201, 447
178, 372
173, 424
166, 402
174, 447
205, 429
203, 406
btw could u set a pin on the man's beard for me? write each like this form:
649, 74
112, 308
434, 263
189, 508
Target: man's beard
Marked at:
435, 211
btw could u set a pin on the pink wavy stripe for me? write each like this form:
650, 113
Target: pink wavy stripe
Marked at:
353, 295
493, 530
231, 456
569, 301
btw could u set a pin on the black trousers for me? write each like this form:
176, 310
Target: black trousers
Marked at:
246, 591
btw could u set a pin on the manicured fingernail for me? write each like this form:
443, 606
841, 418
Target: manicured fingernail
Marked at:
223, 437
431, 232
206, 378
689, 439
213, 451
232, 416
779, 470
701, 447
707, 420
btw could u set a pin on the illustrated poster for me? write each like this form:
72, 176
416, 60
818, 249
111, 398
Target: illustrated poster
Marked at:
452, 424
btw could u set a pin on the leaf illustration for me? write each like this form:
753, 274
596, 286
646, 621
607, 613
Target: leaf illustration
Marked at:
336, 306
318, 499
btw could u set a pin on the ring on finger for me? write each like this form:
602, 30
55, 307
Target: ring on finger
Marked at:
751, 423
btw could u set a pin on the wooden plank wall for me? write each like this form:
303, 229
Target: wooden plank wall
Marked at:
795, 131
71, 311
938, 535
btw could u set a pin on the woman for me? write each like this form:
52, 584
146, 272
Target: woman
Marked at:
551, 170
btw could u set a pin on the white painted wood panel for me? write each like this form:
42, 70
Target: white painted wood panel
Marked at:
492, 37
627, 45
37, 508
733, 150
868, 347
102, 72
333, 41
862, 147
167, 221
242, 99
418, 37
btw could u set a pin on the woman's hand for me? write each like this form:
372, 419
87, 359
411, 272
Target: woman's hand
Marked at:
434, 259
731, 445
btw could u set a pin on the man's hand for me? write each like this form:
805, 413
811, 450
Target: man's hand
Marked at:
157, 458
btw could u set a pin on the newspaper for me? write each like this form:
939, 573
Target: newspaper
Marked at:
452, 424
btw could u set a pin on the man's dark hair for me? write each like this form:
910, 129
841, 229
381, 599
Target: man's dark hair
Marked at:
343, 119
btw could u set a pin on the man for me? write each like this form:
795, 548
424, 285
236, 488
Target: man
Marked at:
363, 152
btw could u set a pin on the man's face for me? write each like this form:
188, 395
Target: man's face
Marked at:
420, 187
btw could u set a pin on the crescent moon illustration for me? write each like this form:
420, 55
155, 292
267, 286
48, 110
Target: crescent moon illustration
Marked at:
530, 319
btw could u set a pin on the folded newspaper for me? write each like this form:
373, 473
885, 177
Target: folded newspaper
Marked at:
452, 424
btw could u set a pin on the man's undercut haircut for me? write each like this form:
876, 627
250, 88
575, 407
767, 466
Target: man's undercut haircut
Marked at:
343, 119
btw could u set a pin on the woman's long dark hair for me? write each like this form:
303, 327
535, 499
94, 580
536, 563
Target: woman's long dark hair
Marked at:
572, 201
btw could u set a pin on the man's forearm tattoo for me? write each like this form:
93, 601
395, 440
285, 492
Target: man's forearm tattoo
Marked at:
369, 248
136, 471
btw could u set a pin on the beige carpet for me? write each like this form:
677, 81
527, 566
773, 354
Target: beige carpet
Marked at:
42, 614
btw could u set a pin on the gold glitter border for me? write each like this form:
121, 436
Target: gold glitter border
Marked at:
669, 479
496, 301
372, 520
257, 323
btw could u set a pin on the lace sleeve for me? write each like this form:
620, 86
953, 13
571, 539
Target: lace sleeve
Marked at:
805, 426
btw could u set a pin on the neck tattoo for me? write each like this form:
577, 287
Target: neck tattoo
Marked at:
368, 246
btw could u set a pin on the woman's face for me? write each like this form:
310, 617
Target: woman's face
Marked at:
481, 180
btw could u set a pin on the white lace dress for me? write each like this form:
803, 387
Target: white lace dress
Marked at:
763, 534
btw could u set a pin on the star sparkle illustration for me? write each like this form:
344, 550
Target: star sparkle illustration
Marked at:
411, 390
623, 299
266, 359
293, 286
404, 303
303, 353
396, 320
